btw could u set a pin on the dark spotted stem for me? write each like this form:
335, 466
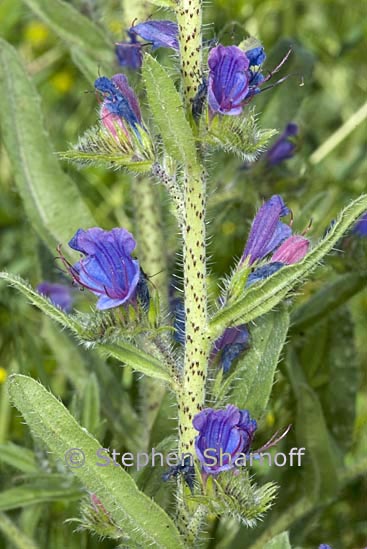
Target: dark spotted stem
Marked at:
191, 397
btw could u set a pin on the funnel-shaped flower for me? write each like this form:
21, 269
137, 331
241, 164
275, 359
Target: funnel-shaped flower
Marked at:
119, 102
284, 147
107, 270
161, 34
58, 294
130, 54
228, 80
267, 232
223, 436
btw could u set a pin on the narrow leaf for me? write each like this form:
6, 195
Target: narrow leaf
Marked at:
16, 537
137, 359
91, 406
279, 542
18, 457
73, 28
326, 300
125, 352
253, 378
133, 511
51, 199
264, 296
168, 112
31, 494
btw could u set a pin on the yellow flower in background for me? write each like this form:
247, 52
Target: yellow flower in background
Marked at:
3, 375
36, 33
228, 228
62, 81
270, 419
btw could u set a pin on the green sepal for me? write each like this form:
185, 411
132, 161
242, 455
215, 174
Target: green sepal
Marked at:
98, 147
130, 509
239, 135
265, 295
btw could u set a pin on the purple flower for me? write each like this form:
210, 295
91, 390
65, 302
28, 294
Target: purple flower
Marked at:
129, 54
107, 270
162, 34
119, 103
58, 294
360, 228
256, 56
284, 147
292, 250
228, 80
325, 546
224, 435
267, 232
231, 344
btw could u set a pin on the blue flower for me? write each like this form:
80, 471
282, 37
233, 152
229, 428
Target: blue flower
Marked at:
325, 546
58, 294
263, 272
284, 147
229, 432
228, 346
161, 34
231, 344
360, 228
229, 80
107, 270
119, 102
267, 231
130, 54
256, 56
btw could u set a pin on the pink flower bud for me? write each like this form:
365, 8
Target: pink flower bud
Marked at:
292, 250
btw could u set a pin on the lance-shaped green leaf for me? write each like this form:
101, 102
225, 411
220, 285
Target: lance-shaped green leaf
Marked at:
76, 30
264, 296
17, 538
58, 488
249, 385
124, 351
168, 112
130, 509
320, 460
18, 457
48, 194
279, 542
326, 300
136, 358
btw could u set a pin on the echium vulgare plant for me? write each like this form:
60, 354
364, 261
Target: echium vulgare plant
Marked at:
205, 359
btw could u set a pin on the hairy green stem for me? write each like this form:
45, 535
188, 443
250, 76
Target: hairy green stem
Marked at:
192, 395
149, 234
189, 19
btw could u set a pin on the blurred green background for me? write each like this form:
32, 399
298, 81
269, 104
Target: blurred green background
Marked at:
324, 96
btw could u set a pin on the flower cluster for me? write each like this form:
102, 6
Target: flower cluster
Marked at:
158, 33
107, 268
269, 235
